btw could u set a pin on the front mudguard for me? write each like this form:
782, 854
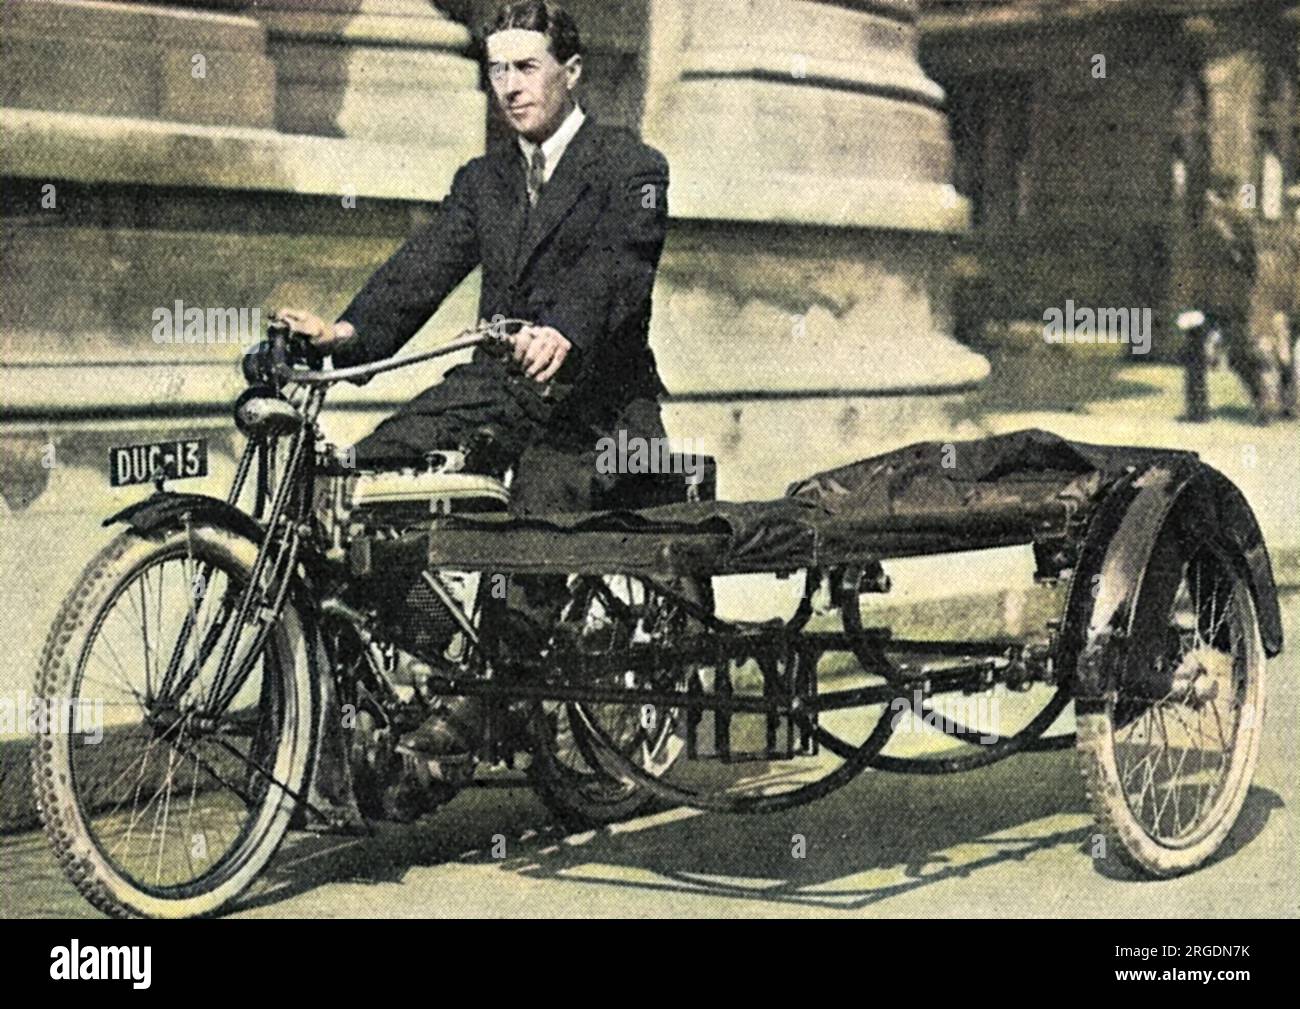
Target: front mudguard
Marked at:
165, 509
1118, 551
329, 792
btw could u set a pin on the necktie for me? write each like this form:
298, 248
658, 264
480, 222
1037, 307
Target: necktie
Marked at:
536, 176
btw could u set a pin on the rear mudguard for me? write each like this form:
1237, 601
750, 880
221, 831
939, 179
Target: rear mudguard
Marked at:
1121, 539
330, 780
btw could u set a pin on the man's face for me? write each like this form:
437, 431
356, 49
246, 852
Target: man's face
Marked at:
532, 87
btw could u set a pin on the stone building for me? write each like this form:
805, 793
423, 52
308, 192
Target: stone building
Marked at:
1087, 132
247, 154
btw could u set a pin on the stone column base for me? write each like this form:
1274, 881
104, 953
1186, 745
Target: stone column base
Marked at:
773, 309
390, 71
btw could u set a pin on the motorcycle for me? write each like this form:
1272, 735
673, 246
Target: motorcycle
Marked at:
256, 668
234, 649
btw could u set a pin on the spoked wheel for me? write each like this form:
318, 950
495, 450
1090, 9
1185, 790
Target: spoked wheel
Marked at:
1169, 758
566, 770
180, 796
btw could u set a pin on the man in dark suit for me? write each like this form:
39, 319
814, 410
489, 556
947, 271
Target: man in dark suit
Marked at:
567, 219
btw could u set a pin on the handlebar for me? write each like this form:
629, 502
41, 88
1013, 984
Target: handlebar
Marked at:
288, 350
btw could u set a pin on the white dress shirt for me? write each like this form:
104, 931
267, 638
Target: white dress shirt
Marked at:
554, 145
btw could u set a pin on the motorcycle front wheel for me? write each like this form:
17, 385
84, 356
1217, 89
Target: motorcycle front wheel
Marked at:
166, 782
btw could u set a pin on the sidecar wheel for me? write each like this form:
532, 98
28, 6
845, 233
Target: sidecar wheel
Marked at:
181, 801
1168, 759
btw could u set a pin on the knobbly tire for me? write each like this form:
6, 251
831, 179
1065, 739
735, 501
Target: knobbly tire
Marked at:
80, 801
564, 771
1167, 775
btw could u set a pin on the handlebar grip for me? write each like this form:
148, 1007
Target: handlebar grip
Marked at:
289, 348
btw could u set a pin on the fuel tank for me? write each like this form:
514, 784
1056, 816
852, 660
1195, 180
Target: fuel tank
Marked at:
406, 499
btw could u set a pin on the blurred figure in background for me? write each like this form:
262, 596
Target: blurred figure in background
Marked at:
1249, 307
1273, 311
1227, 253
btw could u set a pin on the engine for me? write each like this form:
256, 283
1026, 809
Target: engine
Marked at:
379, 523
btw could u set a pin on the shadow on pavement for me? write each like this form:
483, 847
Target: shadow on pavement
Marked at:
1037, 378
879, 837
1259, 806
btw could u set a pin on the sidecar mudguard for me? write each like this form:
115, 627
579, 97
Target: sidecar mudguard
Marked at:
1123, 537
164, 508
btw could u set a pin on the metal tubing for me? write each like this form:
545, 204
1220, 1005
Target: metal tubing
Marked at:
733, 704
254, 587
992, 752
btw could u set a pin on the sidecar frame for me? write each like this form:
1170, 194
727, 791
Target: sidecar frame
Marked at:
1092, 514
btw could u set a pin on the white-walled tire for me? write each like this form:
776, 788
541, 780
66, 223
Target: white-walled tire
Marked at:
1167, 777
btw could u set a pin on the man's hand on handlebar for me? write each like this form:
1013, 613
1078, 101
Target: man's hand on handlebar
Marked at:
322, 335
540, 351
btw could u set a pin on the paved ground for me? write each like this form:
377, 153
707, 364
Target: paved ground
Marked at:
1009, 840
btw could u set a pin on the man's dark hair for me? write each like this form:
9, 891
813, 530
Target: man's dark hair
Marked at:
550, 19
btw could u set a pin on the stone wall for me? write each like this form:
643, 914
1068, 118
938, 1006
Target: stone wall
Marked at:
133, 175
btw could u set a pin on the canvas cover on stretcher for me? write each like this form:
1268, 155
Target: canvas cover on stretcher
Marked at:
931, 497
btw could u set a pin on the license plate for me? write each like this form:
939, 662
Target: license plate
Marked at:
171, 460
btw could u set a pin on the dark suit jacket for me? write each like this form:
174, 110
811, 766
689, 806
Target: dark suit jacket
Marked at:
583, 261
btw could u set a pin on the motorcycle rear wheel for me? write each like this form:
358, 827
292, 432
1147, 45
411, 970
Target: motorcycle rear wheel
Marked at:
565, 770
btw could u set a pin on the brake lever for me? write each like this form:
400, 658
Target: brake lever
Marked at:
490, 337
499, 343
